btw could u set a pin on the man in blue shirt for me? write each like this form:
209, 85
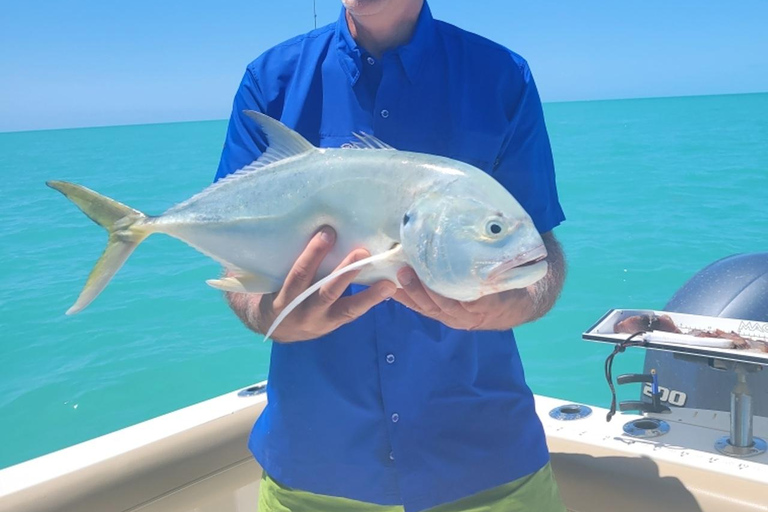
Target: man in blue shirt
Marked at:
419, 401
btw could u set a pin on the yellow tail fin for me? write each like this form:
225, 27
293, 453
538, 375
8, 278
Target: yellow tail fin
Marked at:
124, 226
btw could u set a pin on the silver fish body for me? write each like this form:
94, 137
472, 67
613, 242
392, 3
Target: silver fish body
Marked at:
261, 222
461, 231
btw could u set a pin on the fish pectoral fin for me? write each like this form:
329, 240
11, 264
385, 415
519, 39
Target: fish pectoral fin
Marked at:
244, 283
393, 254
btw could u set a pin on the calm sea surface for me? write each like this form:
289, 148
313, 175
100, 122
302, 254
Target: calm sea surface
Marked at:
653, 189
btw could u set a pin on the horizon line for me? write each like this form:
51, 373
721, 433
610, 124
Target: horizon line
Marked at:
638, 98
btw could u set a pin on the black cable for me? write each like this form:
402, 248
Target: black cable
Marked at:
620, 347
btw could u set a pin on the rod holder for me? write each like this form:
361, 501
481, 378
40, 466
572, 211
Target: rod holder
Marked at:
741, 443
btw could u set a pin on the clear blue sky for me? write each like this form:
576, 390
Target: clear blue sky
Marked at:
88, 62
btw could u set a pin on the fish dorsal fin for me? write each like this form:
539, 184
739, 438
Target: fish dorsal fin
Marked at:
366, 141
283, 142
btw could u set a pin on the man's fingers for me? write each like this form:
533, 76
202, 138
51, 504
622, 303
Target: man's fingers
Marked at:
402, 297
304, 269
347, 309
419, 298
454, 308
415, 290
490, 302
331, 291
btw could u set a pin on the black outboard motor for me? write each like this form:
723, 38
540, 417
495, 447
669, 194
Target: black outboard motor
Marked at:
733, 287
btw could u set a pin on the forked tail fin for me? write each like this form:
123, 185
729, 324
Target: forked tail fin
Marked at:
124, 226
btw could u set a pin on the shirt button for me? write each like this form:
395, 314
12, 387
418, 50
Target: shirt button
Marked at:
395, 418
390, 358
371, 61
385, 113
391, 455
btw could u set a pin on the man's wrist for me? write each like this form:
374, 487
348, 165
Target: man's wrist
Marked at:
515, 307
247, 307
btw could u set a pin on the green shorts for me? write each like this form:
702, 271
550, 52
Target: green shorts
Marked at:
536, 492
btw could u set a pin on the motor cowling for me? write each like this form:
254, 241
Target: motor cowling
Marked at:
733, 287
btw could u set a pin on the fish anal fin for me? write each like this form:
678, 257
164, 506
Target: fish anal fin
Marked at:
244, 283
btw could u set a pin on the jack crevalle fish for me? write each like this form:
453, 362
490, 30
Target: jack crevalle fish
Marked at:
464, 235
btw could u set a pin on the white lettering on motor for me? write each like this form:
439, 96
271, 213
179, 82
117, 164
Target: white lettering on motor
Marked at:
672, 397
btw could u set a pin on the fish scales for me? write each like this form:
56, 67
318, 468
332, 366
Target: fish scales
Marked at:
261, 223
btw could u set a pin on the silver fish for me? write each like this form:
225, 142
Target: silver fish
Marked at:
463, 234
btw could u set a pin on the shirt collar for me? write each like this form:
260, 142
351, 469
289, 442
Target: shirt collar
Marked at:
411, 55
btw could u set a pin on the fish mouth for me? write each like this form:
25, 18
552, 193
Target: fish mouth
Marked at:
526, 259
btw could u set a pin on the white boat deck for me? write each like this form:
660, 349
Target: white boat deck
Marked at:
196, 459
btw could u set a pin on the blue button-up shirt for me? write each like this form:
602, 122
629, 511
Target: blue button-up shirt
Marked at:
396, 408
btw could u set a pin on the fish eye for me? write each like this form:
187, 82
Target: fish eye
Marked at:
406, 218
494, 227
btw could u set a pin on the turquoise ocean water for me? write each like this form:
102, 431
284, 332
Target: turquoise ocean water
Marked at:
654, 190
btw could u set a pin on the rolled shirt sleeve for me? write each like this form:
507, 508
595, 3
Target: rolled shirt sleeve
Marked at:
525, 165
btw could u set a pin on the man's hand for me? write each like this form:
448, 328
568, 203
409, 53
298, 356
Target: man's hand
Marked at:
498, 311
413, 294
321, 313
